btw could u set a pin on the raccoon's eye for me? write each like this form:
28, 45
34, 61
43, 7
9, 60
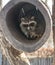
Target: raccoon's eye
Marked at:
31, 24
25, 25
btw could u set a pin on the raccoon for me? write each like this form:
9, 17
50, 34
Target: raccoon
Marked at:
30, 26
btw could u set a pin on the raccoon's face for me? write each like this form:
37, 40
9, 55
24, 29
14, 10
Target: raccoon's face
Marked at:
28, 26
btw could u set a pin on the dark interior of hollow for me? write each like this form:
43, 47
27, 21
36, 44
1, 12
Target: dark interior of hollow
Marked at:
13, 26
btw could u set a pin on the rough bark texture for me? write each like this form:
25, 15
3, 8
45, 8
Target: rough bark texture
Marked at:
14, 56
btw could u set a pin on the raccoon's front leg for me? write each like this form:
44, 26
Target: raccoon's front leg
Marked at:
34, 35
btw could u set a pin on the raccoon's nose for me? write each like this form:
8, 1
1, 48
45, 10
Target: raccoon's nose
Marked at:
28, 28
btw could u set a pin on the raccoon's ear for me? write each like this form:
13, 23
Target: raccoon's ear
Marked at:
22, 19
32, 18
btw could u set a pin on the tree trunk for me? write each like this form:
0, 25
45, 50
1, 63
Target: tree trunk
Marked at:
53, 16
0, 4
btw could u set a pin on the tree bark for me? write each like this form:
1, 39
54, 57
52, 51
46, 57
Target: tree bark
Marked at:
53, 17
0, 4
